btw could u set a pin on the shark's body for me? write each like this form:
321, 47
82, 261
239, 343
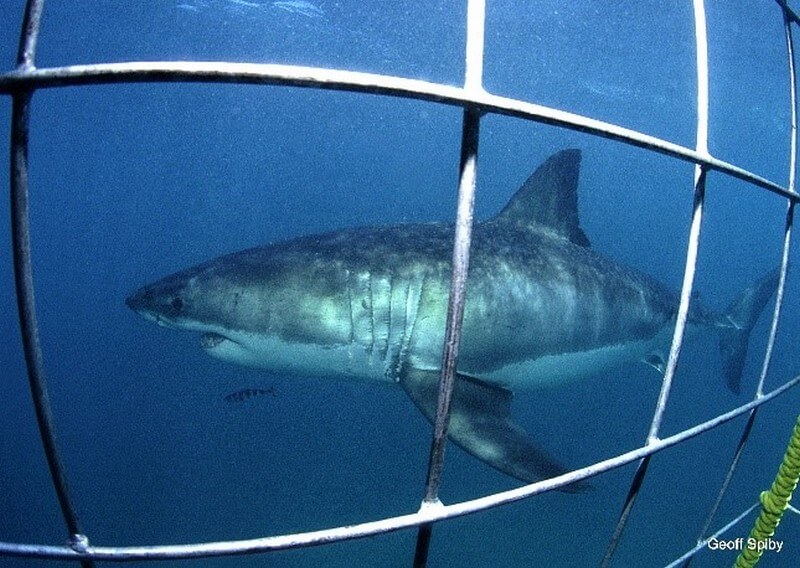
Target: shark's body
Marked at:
370, 304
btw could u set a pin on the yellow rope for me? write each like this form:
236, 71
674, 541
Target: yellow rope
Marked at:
773, 503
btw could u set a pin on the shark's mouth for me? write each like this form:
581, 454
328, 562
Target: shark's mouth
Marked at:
211, 340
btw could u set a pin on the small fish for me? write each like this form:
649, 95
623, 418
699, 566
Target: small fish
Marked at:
247, 394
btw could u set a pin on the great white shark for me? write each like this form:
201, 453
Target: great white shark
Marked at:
370, 303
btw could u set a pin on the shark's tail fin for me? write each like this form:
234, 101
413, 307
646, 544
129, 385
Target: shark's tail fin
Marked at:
741, 317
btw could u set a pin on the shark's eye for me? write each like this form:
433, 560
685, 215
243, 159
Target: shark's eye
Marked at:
177, 303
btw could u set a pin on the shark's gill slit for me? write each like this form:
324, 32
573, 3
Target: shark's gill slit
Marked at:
361, 310
382, 306
370, 299
352, 339
413, 299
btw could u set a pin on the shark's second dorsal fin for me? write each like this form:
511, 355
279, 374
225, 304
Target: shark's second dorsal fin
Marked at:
548, 200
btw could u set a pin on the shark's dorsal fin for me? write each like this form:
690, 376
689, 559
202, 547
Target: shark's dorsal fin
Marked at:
548, 200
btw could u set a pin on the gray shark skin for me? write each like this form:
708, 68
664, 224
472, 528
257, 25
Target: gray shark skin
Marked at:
370, 304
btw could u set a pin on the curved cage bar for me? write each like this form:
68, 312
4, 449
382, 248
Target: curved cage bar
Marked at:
299, 76
476, 102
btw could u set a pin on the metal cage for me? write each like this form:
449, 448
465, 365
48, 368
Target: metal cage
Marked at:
20, 84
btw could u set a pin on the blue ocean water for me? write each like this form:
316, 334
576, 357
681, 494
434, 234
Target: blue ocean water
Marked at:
131, 182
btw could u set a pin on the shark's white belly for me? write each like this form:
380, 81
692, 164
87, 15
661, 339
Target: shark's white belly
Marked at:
552, 370
351, 361
354, 362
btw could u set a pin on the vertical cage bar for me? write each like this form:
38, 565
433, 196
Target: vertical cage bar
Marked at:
455, 307
23, 274
461, 248
787, 234
787, 237
697, 218
29, 36
701, 41
476, 14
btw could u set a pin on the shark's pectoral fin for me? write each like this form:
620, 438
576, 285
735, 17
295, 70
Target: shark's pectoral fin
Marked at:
480, 424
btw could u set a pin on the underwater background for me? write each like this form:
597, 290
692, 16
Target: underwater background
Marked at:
132, 182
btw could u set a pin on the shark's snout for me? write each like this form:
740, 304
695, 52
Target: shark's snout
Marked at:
152, 300
162, 304
137, 300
